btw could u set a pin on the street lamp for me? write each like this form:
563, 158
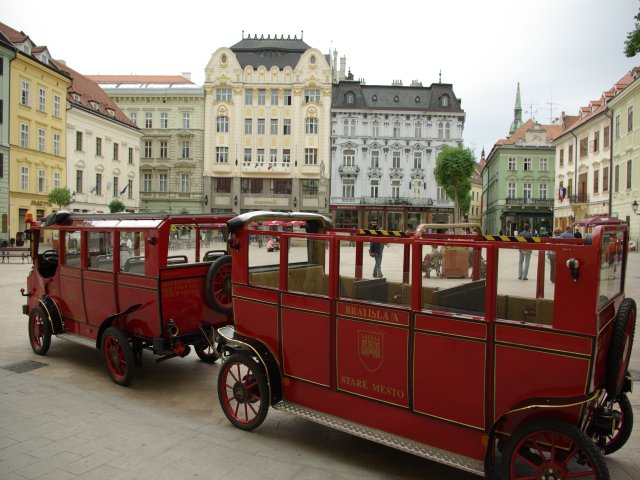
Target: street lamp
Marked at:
634, 206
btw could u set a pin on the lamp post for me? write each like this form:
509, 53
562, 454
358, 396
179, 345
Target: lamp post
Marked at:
634, 206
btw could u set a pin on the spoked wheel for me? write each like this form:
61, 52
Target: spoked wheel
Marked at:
118, 355
620, 347
551, 449
243, 391
620, 409
208, 350
218, 285
39, 331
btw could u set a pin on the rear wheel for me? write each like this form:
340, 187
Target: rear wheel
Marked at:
208, 350
218, 285
620, 347
118, 356
243, 391
549, 449
623, 424
39, 331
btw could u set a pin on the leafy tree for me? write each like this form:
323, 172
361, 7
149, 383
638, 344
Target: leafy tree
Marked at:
116, 206
60, 196
632, 44
454, 167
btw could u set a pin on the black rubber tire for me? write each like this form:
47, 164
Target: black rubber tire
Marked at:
620, 347
586, 450
217, 285
625, 426
39, 331
118, 356
236, 398
208, 352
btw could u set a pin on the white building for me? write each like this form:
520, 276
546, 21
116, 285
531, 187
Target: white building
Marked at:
384, 145
103, 149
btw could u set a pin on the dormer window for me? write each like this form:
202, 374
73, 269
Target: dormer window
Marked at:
76, 97
111, 112
350, 97
444, 101
223, 58
417, 99
26, 48
374, 98
94, 105
313, 59
396, 99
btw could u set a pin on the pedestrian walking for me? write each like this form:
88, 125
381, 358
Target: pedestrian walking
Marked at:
375, 251
525, 256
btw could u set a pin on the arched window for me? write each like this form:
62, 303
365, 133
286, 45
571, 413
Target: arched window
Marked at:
345, 130
444, 101
350, 98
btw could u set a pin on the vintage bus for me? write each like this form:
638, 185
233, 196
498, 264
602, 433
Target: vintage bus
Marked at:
125, 283
465, 365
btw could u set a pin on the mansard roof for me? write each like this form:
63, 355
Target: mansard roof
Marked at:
270, 51
395, 97
40, 53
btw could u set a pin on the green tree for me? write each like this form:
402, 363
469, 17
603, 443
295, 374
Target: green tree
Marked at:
632, 44
116, 206
454, 167
60, 196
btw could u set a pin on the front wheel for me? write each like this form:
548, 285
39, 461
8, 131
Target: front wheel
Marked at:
39, 331
551, 449
118, 356
243, 391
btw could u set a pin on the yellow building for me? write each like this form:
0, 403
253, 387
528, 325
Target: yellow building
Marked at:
37, 122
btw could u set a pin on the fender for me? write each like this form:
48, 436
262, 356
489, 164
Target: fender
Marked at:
536, 404
53, 314
109, 321
235, 342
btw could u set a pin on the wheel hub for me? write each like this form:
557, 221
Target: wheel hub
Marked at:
549, 473
115, 360
239, 392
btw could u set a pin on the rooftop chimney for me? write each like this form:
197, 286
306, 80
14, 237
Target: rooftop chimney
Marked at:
343, 64
187, 75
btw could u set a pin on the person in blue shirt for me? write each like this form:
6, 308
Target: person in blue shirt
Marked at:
525, 255
568, 233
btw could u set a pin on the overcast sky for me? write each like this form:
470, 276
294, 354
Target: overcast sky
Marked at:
563, 52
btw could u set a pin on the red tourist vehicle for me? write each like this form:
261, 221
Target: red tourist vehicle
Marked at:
124, 283
443, 353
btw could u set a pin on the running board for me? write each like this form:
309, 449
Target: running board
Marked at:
75, 338
378, 436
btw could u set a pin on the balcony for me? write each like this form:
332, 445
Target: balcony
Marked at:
348, 171
529, 202
582, 197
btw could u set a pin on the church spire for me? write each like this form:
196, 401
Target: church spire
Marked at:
517, 114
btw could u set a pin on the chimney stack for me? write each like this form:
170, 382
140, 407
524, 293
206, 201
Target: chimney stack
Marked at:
343, 64
187, 75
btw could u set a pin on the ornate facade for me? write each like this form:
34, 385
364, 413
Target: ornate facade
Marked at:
267, 107
384, 145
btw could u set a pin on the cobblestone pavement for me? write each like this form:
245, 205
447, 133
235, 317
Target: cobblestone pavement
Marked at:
67, 420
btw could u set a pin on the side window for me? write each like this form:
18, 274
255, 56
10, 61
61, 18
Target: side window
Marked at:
72, 248
264, 257
307, 268
184, 240
611, 261
100, 250
381, 279
132, 252
454, 279
518, 297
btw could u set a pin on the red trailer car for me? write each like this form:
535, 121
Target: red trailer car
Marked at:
124, 283
459, 362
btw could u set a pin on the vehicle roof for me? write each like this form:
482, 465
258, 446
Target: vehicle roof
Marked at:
128, 220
